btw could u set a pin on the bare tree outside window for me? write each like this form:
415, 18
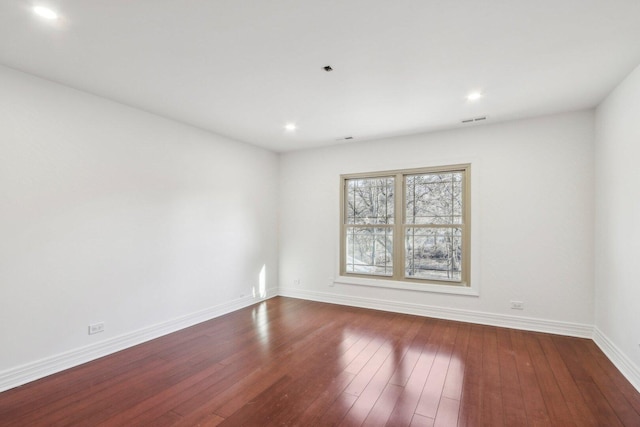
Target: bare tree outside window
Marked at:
370, 216
433, 247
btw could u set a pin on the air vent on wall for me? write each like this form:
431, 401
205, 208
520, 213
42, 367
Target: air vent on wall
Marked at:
475, 119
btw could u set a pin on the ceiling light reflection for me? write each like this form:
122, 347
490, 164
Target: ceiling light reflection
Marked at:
474, 96
45, 13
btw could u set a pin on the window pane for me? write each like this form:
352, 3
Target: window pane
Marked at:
369, 250
433, 253
369, 201
434, 198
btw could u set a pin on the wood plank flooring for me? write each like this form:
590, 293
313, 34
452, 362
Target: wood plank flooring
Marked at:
288, 362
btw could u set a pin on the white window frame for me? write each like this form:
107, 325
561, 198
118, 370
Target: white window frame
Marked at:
398, 279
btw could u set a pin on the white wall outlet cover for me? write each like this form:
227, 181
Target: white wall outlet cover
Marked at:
517, 305
96, 328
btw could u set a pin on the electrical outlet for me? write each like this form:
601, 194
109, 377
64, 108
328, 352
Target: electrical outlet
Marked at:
331, 282
96, 328
517, 305
296, 282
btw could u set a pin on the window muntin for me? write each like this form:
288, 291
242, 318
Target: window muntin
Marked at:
408, 225
434, 198
370, 251
370, 200
433, 253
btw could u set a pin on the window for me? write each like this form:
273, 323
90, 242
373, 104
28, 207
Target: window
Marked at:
408, 225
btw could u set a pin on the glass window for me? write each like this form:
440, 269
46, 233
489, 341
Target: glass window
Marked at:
408, 225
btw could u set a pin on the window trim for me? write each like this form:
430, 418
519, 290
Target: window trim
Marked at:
398, 279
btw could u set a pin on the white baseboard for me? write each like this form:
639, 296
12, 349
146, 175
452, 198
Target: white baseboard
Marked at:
23, 374
618, 358
514, 322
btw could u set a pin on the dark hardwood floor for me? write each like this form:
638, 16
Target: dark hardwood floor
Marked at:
294, 362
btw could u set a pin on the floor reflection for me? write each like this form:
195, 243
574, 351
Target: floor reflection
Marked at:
260, 316
414, 378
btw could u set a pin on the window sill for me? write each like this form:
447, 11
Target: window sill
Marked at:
421, 287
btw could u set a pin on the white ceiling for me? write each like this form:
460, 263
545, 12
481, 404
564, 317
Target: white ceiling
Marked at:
244, 68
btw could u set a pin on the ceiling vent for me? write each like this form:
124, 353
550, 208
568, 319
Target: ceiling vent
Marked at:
475, 119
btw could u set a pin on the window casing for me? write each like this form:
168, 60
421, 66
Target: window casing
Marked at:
407, 225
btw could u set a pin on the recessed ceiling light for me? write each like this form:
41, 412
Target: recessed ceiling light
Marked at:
290, 127
45, 12
474, 96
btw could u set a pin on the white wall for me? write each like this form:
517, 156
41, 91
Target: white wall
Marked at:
617, 231
111, 214
532, 220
